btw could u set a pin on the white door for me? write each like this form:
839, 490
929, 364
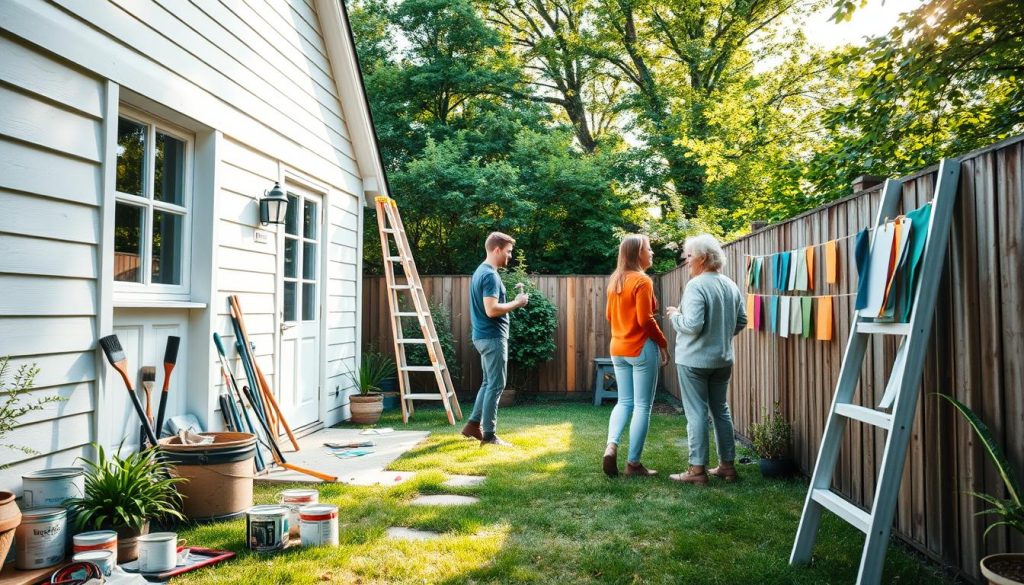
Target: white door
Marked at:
300, 312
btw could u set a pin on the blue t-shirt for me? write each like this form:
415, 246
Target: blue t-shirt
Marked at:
486, 283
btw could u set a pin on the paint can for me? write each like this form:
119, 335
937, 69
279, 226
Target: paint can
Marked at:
295, 499
266, 528
97, 540
318, 525
102, 558
41, 539
50, 487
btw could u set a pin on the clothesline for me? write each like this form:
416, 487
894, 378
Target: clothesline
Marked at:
804, 296
853, 235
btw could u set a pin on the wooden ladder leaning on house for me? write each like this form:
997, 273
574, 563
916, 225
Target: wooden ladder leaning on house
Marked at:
900, 392
389, 223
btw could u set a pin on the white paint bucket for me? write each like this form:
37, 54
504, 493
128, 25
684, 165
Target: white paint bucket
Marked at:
97, 540
50, 487
295, 499
102, 558
318, 525
158, 551
41, 539
266, 528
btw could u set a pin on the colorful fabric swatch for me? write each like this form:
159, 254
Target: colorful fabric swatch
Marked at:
783, 271
823, 329
831, 262
758, 264
805, 312
800, 281
773, 313
750, 311
810, 267
792, 270
784, 316
757, 313
796, 322
920, 220
861, 251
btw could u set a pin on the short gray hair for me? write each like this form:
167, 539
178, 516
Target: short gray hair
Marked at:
707, 247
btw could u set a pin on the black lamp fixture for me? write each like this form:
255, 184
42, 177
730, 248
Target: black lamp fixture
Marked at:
273, 206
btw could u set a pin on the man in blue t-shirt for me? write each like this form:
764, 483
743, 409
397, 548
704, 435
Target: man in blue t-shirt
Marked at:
489, 314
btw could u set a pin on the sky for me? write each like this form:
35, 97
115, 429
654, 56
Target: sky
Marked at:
874, 19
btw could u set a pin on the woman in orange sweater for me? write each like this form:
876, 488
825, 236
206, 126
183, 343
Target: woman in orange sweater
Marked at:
638, 349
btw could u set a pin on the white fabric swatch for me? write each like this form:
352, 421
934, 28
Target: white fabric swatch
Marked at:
784, 316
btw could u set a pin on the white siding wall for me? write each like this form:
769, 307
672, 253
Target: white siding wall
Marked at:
51, 145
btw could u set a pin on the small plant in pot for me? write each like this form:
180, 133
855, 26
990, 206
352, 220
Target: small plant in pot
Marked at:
1006, 568
366, 406
771, 439
125, 495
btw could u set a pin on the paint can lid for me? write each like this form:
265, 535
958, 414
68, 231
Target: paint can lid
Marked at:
94, 555
318, 512
95, 536
158, 537
299, 495
267, 509
56, 473
43, 514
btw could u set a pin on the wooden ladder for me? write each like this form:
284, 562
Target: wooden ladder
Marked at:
900, 393
389, 223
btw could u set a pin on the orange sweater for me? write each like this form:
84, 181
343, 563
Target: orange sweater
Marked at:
631, 314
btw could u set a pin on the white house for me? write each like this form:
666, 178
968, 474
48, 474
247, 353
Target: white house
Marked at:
136, 138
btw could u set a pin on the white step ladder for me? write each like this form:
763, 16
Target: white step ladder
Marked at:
390, 226
900, 393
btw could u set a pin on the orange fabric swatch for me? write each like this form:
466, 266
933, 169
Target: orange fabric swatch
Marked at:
824, 326
810, 267
750, 311
893, 259
831, 262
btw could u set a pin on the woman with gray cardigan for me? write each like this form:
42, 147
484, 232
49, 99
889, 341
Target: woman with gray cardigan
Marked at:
712, 313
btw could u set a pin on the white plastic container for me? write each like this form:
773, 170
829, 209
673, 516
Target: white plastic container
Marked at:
41, 539
48, 488
318, 525
294, 499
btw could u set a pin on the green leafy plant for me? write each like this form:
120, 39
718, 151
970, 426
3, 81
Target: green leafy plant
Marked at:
1009, 510
416, 355
125, 492
373, 368
532, 328
12, 407
772, 436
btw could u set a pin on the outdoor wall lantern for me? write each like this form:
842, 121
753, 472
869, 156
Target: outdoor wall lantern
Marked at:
273, 206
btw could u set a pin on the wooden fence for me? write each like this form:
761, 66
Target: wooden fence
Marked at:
976, 353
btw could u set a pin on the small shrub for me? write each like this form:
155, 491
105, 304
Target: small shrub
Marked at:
12, 407
772, 436
531, 328
374, 368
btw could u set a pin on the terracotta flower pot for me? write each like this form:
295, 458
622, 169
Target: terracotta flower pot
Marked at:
128, 542
10, 518
365, 408
1004, 569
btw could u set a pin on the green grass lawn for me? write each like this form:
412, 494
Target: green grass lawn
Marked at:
548, 515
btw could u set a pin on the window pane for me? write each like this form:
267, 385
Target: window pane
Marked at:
291, 258
309, 218
289, 301
131, 156
128, 221
167, 244
170, 169
309, 301
309, 261
291, 219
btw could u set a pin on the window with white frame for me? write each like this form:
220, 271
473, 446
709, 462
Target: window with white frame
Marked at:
154, 193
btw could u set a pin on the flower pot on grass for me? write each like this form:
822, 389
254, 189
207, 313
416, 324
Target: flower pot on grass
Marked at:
10, 518
365, 408
771, 439
1003, 569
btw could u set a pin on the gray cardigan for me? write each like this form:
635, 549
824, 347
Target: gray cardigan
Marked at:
711, 313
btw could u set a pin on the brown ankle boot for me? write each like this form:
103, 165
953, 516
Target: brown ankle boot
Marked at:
610, 461
725, 470
695, 475
638, 470
472, 431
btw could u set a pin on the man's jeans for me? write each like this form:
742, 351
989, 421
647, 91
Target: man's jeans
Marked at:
494, 364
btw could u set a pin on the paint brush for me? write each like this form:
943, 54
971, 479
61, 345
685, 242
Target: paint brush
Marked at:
170, 358
112, 349
148, 379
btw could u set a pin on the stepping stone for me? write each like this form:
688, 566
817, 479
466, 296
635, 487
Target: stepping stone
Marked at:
384, 478
399, 533
459, 481
445, 500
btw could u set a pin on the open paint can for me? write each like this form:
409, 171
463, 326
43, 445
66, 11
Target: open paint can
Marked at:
50, 487
41, 538
266, 528
295, 499
102, 558
318, 525
97, 540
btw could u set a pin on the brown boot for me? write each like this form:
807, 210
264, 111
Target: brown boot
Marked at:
725, 470
610, 462
695, 475
472, 431
638, 470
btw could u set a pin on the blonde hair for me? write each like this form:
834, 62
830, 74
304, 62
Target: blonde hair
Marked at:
498, 240
707, 247
629, 260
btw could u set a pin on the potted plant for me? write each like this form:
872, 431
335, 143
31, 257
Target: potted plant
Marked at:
366, 406
11, 409
771, 439
125, 495
1006, 568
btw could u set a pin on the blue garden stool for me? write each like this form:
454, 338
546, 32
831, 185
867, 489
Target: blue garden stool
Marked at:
604, 380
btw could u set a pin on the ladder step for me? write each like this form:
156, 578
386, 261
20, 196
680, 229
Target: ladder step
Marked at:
404, 287
389, 231
427, 396
407, 314
865, 415
394, 258
419, 368
414, 340
853, 515
883, 328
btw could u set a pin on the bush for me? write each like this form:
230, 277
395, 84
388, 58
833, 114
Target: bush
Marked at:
771, 437
531, 328
13, 404
416, 354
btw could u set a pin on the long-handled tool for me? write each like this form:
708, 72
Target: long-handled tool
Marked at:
275, 450
170, 358
148, 379
233, 387
269, 395
111, 346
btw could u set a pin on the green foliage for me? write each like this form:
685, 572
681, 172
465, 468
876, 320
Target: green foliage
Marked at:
772, 436
373, 368
12, 405
531, 328
1010, 510
125, 492
416, 355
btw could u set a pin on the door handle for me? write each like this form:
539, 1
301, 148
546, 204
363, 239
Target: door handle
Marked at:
286, 326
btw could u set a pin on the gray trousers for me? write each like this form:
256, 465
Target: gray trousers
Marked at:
494, 364
703, 390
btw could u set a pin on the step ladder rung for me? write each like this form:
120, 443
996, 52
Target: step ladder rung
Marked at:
883, 328
407, 314
394, 258
414, 340
426, 396
865, 415
832, 502
420, 368
405, 287
389, 231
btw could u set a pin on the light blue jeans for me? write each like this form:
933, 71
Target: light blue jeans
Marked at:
636, 379
704, 389
494, 366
